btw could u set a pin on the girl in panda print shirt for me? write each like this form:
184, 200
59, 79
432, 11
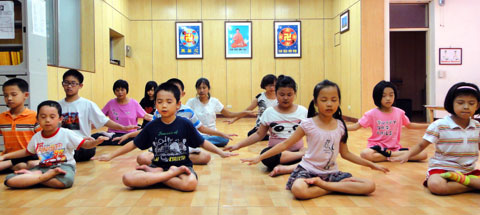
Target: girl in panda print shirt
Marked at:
280, 121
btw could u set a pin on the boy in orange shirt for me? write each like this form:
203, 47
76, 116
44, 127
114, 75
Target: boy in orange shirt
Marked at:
17, 125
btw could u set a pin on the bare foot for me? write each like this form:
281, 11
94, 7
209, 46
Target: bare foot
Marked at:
185, 170
57, 171
279, 170
148, 168
314, 181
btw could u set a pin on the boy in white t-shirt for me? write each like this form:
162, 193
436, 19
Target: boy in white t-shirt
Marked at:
80, 114
54, 147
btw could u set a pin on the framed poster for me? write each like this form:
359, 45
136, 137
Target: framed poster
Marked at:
450, 56
238, 39
288, 39
345, 21
189, 40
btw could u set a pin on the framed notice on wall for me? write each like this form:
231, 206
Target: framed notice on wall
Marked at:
288, 38
238, 39
450, 56
345, 21
189, 40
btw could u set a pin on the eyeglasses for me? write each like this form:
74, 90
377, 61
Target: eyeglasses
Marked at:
66, 83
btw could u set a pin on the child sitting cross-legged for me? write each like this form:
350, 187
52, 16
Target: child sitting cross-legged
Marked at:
54, 147
170, 138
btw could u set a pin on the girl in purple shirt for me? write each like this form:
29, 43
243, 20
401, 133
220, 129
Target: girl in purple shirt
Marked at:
318, 174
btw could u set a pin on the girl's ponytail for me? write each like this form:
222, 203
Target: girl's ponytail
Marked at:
338, 115
311, 110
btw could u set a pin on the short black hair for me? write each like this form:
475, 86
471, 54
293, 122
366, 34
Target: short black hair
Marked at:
20, 83
169, 88
378, 92
460, 89
176, 81
285, 81
50, 103
120, 84
268, 79
75, 73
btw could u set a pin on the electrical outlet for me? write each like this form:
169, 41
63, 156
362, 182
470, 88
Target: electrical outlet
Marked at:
229, 106
349, 107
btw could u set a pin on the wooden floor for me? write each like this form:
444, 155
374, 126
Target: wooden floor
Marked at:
226, 186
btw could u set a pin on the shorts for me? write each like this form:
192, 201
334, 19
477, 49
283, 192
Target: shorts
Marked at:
273, 161
301, 172
168, 167
440, 171
66, 179
399, 148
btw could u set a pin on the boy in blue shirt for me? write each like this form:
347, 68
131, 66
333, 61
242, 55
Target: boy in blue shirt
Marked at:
170, 138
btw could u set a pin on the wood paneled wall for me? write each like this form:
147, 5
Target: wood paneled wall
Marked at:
234, 82
148, 26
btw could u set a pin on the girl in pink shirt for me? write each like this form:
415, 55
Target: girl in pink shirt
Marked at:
318, 174
386, 123
122, 110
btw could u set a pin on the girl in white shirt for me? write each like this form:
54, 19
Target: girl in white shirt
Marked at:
206, 109
280, 121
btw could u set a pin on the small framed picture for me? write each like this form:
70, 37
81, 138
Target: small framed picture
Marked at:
450, 56
288, 39
189, 40
238, 39
345, 21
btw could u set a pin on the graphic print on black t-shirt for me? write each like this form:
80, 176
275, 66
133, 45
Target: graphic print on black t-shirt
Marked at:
71, 121
169, 142
167, 148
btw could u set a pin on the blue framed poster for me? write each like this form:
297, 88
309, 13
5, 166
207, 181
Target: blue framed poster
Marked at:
189, 40
238, 39
288, 39
345, 21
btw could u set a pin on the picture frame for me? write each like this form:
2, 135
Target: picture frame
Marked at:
345, 21
238, 39
189, 40
287, 39
450, 56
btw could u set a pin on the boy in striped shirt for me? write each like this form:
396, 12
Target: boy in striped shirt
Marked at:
17, 125
452, 168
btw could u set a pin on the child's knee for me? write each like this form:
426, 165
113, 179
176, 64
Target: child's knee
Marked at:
60, 184
20, 166
437, 187
128, 180
31, 164
299, 189
144, 159
189, 185
204, 158
369, 187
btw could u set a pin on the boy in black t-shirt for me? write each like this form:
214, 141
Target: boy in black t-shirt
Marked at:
170, 137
